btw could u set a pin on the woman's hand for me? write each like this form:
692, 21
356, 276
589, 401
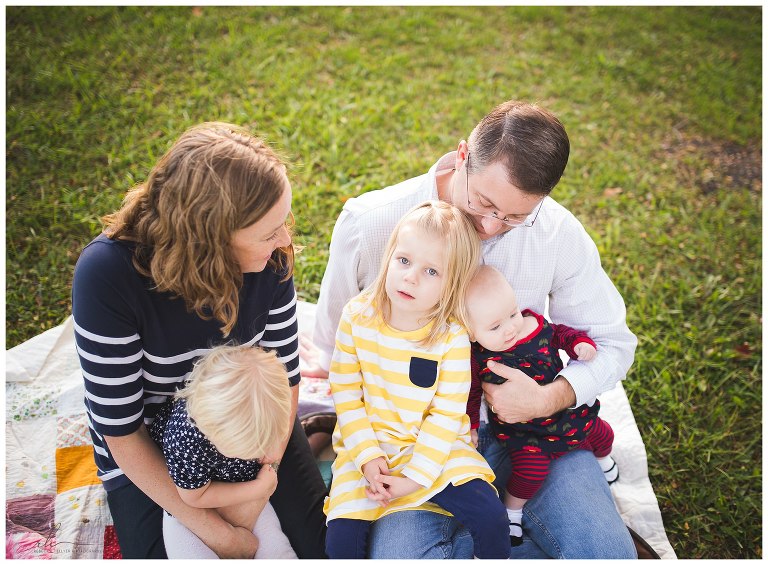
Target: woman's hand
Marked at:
142, 462
521, 399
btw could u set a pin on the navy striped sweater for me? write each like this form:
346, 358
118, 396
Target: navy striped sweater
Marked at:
137, 346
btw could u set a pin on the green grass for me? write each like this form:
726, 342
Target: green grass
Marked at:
662, 105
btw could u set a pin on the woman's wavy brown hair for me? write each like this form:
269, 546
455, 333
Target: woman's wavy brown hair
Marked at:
216, 179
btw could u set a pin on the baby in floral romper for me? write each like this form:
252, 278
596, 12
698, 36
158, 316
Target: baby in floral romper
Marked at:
526, 341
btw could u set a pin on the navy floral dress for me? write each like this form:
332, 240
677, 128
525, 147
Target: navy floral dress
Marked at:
537, 356
192, 459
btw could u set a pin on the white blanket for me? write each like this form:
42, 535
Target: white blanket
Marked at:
56, 507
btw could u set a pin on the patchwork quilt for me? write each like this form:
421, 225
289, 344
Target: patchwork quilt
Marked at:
56, 508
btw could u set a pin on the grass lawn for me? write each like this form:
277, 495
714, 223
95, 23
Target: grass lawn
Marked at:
662, 105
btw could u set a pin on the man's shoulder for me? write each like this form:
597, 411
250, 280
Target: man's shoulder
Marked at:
392, 201
554, 211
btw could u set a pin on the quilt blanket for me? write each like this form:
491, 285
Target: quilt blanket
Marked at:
56, 508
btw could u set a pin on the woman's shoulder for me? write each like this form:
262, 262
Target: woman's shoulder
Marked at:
105, 253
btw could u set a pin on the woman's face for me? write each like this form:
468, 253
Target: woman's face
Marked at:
253, 245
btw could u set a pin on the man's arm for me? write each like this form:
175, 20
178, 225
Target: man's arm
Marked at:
583, 297
340, 284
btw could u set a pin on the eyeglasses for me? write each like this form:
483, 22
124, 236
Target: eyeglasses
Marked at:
488, 212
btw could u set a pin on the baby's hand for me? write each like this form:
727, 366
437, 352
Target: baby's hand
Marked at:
473, 436
585, 351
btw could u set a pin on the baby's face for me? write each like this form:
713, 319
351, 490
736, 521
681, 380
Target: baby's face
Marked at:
494, 318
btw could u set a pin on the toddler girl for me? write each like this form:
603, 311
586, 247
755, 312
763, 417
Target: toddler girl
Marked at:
221, 436
400, 380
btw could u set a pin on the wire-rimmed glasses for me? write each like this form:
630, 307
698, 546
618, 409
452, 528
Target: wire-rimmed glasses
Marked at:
486, 212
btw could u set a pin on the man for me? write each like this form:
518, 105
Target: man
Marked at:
502, 177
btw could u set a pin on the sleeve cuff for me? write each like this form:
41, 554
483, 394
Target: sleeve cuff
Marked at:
584, 393
368, 455
325, 360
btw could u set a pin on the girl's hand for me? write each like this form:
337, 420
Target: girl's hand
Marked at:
398, 486
373, 468
585, 351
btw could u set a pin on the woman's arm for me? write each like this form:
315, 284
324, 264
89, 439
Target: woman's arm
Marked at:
143, 463
281, 333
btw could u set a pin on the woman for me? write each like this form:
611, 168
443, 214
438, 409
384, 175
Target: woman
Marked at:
199, 255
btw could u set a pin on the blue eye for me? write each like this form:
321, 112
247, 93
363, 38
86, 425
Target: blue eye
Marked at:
402, 260
432, 272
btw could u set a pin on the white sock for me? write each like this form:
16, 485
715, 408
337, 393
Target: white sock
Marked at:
515, 521
609, 467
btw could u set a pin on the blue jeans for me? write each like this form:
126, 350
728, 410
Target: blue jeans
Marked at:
571, 517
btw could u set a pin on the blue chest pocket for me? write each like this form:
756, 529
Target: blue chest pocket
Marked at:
422, 372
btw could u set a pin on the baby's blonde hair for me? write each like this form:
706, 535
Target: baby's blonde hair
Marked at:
240, 399
481, 285
462, 248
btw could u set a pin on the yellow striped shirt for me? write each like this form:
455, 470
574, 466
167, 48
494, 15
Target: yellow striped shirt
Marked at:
398, 400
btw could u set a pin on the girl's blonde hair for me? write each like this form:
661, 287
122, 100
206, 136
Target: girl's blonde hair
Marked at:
216, 179
462, 251
240, 399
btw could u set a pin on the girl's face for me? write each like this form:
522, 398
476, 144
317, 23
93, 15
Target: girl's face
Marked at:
495, 319
415, 277
254, 245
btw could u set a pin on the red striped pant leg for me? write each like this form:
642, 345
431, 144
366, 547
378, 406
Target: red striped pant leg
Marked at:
600, 438
528, 472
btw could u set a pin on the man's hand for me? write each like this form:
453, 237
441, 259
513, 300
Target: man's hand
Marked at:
521, 399
585, 351
309, 356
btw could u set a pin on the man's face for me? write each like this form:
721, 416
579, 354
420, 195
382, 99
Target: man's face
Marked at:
488, 192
